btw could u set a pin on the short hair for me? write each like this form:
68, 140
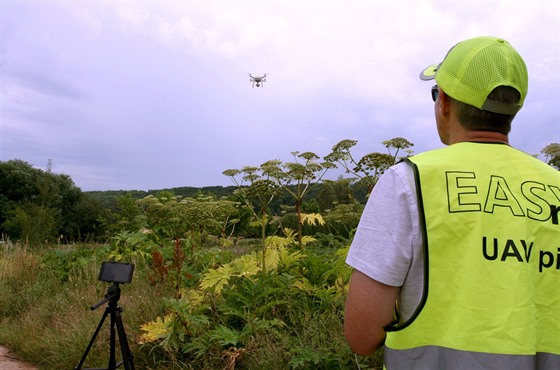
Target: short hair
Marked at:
475, 119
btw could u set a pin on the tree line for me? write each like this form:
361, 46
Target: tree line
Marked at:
39, 206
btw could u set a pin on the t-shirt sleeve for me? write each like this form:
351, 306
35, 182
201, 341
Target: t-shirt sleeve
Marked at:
382, 245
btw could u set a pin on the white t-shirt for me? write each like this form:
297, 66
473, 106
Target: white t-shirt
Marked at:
387, 246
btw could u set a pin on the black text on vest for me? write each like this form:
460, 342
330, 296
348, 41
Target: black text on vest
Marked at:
518, 251
467, 192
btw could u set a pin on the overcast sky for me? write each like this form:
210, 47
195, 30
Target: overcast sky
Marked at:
139, 95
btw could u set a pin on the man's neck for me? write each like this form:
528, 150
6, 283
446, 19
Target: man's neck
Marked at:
484, 137
458, 133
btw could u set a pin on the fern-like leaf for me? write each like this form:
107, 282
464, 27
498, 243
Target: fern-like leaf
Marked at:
225, 336
312, 219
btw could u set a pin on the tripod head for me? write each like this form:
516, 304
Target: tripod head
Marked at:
112, 296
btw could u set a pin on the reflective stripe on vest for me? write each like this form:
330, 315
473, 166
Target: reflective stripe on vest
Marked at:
492, 263
440, 358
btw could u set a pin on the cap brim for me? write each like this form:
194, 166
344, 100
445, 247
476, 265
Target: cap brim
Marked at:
430, 72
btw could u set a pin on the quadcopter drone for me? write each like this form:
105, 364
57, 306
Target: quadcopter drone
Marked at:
258, 80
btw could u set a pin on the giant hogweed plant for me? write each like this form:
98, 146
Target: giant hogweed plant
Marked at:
235, 306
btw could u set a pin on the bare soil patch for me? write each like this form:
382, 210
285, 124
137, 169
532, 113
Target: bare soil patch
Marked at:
8, 361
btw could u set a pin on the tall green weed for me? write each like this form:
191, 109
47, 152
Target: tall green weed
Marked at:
289, 317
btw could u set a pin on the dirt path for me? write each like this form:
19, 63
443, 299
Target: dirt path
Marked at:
9, 362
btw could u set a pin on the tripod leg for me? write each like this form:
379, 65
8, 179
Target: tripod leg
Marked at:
128, 358
112, 342
92, 339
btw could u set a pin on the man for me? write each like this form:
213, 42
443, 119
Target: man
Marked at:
457, 256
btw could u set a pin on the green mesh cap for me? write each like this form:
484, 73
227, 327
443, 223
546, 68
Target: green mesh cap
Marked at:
475, 67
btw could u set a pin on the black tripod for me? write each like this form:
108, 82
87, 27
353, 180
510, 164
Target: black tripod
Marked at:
112, 296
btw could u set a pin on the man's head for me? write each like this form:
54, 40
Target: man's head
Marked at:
486, 80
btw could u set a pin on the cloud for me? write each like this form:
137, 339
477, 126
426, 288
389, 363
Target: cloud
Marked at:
144, 95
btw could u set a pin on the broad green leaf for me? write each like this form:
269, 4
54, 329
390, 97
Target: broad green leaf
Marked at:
245, 265
217, 278
156, 330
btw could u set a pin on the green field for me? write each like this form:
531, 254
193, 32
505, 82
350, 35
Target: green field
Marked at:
207, 307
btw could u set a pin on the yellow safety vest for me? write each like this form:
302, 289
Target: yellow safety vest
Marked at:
489, 215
